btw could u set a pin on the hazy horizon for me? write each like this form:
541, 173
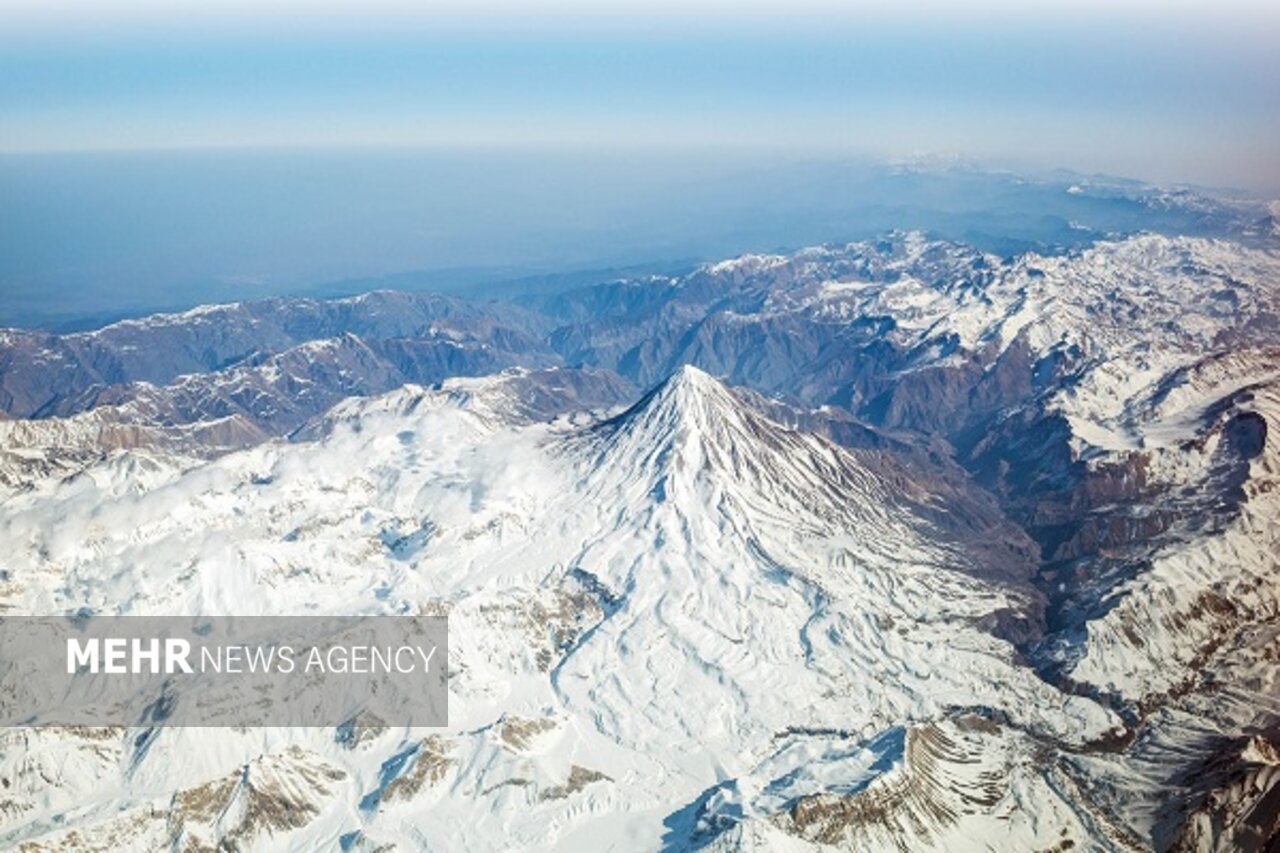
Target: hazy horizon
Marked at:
158, 156
88, 238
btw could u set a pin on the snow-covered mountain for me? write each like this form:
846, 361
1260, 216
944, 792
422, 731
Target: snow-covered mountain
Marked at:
367, 340
953, 552
683, 621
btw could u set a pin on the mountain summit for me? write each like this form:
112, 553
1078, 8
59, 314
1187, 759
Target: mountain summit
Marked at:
691, 436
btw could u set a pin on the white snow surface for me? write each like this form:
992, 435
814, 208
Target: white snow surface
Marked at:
686, 625
683, 597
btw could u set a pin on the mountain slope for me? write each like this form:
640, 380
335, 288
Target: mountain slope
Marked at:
675, 626
206, 416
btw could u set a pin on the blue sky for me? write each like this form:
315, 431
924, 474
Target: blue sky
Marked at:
1165, 91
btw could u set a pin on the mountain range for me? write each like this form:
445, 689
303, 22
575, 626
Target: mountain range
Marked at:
894, 544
